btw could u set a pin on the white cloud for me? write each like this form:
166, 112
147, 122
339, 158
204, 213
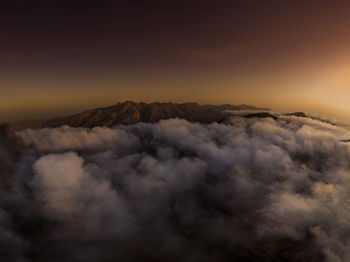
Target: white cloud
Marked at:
176, 190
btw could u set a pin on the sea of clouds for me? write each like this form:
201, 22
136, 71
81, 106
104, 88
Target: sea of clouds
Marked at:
248, 189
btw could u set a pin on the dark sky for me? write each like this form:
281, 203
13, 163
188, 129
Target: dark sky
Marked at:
61, 56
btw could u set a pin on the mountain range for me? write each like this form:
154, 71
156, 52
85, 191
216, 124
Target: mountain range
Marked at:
130, 112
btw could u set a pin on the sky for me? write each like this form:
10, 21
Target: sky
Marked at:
61, 57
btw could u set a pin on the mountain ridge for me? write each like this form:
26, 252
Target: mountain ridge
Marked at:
130, 112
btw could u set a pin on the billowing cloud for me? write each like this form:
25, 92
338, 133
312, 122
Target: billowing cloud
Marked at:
249, 189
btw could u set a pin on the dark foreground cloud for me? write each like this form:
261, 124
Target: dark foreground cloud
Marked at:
245, 190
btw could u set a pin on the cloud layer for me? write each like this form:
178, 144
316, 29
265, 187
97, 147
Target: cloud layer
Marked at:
244, 190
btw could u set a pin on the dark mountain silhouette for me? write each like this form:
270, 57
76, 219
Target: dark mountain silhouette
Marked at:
129, 112
261, 115
298, 114
302, 114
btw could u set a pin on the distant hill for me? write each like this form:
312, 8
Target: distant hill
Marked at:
129, 112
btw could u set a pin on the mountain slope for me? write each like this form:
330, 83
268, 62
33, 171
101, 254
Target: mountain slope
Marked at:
131, 113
